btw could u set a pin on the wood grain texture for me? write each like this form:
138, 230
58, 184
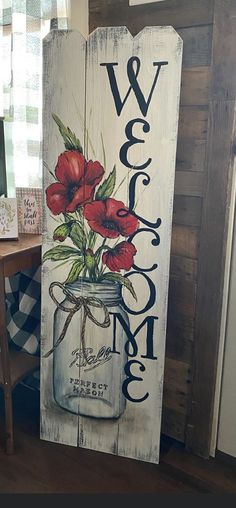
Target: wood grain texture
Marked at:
191, 154
177, 13
174, 396
22, 254
189, 183
197, 42
183, 268
180, 325
185, 241
196, 39
211, 270
187, 210
182, 297
41, 467
21, 365
193, 122
116, 436
219, 170
195, 86
177, 378
211, 474
5, 366
24, 261
194, 23
14, 365
134, 430
173, 423
60, 97
26, 243
223, 79
178, 347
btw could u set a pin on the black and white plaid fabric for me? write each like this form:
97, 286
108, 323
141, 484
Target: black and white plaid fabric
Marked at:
23, 300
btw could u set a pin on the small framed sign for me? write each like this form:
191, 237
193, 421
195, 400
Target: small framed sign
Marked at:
8, 219
29, 202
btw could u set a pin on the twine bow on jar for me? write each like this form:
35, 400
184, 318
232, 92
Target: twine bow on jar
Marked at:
81, 302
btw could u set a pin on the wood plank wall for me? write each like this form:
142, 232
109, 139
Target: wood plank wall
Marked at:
218, 210
193, 20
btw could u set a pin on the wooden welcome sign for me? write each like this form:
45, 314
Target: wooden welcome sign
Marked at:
110, 130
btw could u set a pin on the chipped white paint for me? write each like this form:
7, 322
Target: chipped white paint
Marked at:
64, 93
150, 64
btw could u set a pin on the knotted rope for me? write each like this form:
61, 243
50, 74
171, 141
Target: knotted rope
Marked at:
80, 302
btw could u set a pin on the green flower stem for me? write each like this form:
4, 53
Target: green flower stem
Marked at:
92, 239
80, 214
67, 217
101, 272
91, 264
99, 251
102, 247
76, 217
122, 181
84, 272
67, 261
103, 152
49, 170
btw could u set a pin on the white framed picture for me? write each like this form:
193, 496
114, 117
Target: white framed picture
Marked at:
8, 219
29, 205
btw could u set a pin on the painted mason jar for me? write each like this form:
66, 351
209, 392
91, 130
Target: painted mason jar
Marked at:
88, 371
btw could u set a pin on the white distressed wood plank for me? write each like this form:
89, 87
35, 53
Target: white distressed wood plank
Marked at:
136, 433
103, 130
64, 95
155, 201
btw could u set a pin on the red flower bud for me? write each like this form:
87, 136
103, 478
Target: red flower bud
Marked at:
121, 257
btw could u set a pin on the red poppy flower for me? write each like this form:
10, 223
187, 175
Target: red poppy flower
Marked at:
121, 257
103, 218
77, 179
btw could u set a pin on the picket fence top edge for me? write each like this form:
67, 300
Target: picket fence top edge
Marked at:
158, 28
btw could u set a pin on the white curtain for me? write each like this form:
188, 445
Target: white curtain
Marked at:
23, 25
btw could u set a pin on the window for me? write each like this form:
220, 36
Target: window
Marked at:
23, 26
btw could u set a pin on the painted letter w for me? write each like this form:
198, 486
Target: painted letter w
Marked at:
134, 85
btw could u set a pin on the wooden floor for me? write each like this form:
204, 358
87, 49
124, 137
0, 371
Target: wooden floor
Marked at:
41, 467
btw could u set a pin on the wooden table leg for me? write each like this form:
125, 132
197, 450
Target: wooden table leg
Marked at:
5, 362
9, 419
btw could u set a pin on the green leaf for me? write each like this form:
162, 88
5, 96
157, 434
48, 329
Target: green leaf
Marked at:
69, 217
78, 235
103, 152
60, 252
49, 170
92, 236
71, 142
99, 252
75, 271
106, 189
124, 281
61, 232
